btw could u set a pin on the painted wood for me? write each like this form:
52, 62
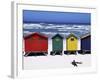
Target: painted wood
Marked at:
36, 43
86, 42
71, 43
57, 43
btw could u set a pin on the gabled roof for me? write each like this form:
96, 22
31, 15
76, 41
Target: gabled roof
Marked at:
71, 34
57, 35
86, 35
38, 34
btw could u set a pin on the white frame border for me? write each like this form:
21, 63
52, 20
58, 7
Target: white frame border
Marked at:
16, 70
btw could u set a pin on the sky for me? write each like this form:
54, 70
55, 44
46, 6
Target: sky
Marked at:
50, 23
30, 16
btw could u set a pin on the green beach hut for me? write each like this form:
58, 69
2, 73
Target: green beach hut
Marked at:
57, 45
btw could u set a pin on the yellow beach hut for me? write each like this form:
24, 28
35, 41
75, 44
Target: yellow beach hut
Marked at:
71, 43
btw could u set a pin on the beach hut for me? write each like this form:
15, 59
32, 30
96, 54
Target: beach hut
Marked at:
71, 44
57, 45
85, 44
36, 44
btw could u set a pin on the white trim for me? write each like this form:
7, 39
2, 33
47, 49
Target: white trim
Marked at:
14, 67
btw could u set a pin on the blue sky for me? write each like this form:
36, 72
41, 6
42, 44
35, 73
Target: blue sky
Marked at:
30, 16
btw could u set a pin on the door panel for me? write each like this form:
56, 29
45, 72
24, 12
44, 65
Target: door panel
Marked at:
57, 44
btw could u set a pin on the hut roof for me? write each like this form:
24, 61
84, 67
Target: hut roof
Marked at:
57, 35
72, 35
41, 35
86, 35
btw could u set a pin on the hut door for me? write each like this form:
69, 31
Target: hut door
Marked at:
57, 44
72, 43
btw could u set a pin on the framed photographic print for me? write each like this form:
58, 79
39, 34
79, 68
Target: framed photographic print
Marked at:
52, 39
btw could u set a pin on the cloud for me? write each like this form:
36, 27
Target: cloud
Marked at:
32, 26
51, 29
55, 26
